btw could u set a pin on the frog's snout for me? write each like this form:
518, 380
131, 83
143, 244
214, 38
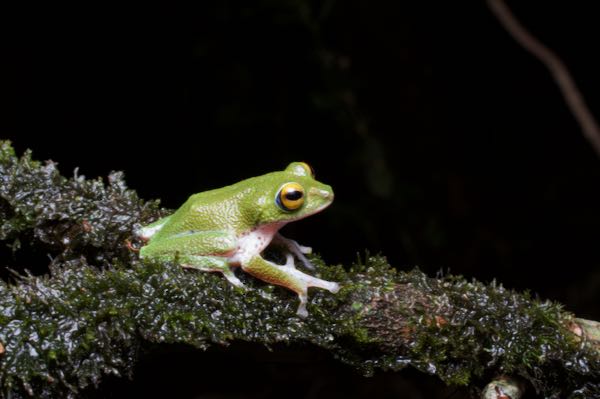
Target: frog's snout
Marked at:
321, 193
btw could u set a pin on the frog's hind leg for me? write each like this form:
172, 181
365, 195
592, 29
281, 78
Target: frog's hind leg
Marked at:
210, 264
183, 247
288, 277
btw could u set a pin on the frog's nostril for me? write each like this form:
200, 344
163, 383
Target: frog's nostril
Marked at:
321, 193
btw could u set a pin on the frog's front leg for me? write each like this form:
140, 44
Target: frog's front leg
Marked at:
294, 248
288, 277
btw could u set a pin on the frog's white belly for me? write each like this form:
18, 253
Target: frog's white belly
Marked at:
253, 243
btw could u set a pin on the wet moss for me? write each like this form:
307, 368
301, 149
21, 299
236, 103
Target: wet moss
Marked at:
68, 218
98, 305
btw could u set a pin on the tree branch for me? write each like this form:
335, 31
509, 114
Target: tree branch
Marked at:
559, 71
98, 305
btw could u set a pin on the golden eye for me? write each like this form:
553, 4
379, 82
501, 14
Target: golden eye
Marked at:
290, 196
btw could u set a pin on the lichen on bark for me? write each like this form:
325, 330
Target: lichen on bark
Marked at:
98, 304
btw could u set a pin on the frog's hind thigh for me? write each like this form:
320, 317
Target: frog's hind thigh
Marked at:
210, 264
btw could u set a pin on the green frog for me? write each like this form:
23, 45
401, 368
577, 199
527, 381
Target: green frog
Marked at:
229, 227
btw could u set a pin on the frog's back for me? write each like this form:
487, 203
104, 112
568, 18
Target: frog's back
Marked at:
213, 210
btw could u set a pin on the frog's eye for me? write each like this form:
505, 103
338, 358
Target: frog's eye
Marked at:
309, 170
290, 196
301, 169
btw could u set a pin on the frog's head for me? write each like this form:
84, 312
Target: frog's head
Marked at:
294, 194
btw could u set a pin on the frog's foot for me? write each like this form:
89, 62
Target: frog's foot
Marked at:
288, 277
296, 249
210, 264
312, 282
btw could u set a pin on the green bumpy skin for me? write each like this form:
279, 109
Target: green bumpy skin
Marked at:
228, 227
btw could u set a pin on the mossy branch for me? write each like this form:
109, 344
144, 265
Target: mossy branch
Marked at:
98, 304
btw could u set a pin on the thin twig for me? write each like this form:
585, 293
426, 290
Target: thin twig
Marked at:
557, 68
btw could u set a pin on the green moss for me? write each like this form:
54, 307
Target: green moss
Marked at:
7, 152
98, 305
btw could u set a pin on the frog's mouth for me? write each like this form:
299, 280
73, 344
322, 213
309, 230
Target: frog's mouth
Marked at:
325, 198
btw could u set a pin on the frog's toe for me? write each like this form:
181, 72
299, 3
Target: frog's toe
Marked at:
305, 250
333, 287
302, 312
289, 261
330, 286
232, 278
305, 262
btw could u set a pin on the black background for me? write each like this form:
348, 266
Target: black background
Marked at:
448, 146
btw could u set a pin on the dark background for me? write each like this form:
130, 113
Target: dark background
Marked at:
448, 146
